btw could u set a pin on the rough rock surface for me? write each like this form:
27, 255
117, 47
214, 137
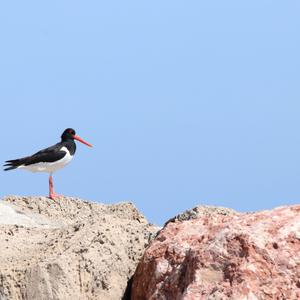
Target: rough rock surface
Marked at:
215, 253
68, 248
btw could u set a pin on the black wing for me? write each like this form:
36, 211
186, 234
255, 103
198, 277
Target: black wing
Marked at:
50, 154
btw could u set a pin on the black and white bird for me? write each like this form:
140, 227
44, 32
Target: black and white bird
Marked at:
50, 159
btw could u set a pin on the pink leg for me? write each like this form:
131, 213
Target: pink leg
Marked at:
52, 195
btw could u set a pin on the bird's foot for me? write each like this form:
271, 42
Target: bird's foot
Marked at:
54, 196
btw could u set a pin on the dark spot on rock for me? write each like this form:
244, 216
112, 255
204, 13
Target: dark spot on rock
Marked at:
76, 228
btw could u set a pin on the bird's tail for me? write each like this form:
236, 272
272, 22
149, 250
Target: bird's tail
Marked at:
13, 164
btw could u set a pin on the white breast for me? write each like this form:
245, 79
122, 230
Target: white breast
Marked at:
50, 167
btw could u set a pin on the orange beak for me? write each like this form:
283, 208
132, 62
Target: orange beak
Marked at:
78, 138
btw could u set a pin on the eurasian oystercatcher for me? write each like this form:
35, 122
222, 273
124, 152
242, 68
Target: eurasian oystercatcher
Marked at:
50, 159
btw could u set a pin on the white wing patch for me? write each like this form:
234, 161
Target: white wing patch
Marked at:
50, 167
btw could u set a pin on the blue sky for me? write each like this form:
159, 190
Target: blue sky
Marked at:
185, 102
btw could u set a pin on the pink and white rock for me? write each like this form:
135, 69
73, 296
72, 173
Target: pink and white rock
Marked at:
215, 253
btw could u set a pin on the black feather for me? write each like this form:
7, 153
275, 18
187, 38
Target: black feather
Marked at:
50, 154
10, 168
13, 164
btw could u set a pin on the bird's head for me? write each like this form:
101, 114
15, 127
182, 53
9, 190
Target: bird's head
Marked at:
70, 134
